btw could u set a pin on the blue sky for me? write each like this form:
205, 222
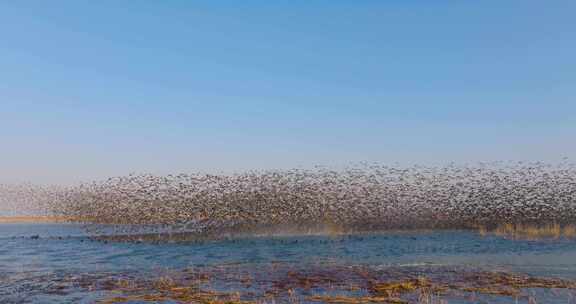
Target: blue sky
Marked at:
90, 89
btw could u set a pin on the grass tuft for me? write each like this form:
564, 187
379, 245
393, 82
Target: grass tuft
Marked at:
530, 232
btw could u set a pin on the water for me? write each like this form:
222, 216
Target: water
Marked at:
36, 257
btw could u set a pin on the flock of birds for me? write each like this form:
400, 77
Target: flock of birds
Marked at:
358, 199
28, 199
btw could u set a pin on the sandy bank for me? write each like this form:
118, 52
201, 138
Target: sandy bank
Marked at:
31, 219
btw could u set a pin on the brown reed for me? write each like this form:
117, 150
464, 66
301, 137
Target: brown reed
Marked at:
530, 231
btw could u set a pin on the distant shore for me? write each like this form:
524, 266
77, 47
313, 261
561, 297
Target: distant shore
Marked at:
32, 219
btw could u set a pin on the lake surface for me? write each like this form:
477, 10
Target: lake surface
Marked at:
36, 257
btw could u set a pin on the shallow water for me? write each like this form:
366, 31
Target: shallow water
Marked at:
34, 257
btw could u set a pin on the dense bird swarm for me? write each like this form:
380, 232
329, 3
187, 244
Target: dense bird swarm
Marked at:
29, 199
358, 199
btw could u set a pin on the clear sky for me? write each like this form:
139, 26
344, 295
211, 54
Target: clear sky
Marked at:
90, 89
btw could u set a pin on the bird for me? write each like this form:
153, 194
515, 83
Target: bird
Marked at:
362, 198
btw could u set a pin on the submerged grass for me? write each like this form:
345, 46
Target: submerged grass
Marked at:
330, 286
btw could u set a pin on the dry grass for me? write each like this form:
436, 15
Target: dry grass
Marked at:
166, 289
333, 229
356, 300
569, 231
531, 232
390, 289
482, 230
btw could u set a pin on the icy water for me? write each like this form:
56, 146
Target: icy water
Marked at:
52, 263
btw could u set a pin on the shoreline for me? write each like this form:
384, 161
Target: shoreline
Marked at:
32, 219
